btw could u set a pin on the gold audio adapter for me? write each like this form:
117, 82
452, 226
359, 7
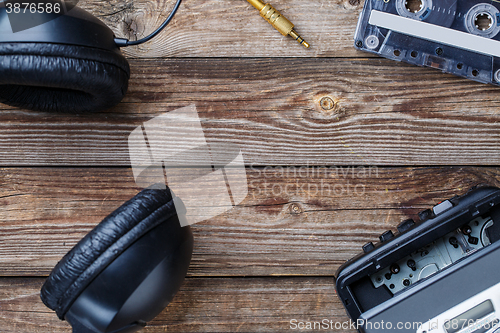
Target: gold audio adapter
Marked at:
278, 21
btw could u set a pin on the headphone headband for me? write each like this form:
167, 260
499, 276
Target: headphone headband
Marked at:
76, 27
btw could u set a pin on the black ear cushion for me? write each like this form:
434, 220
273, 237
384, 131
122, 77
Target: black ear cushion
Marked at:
104, 244
61, 78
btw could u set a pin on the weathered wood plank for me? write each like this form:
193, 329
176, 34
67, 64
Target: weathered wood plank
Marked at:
202, 305
393, 118
299, 221
228, 28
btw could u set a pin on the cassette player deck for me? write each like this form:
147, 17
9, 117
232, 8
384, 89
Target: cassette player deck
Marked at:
441, 275
458, 37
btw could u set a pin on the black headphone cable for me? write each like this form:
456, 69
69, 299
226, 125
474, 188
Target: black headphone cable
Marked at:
122, 42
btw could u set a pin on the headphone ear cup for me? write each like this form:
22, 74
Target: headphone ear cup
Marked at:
61, 78
105, 243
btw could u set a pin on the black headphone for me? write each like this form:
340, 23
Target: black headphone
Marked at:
126, 270
66, 62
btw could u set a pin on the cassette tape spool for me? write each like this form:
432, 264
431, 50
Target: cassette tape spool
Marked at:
458, 37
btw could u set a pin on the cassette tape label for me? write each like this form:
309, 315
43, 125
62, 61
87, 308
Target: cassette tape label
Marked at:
435, 33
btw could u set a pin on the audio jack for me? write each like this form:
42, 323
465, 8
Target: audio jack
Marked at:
278, 21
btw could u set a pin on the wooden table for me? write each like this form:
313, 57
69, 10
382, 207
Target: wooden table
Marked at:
396, 139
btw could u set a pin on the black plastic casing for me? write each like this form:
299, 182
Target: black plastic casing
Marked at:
359, 303
406, 311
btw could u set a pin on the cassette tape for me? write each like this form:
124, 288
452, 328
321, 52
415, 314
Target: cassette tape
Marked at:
460, 37
438, 275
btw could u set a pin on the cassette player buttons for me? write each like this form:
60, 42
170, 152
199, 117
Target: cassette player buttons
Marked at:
405, 225
438, 209
442, 207
425, 215
386, 236
368, 247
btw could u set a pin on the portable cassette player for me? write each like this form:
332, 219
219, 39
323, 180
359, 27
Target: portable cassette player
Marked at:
440, 275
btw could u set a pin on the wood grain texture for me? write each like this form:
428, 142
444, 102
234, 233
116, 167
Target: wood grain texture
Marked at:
272, 257
202, 305
270, 109
231, 28
296, 221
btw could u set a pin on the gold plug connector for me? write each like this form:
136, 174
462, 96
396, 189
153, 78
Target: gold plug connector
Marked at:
278, 21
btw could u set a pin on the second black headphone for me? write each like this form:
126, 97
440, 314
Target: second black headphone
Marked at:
126, 270
68, 63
